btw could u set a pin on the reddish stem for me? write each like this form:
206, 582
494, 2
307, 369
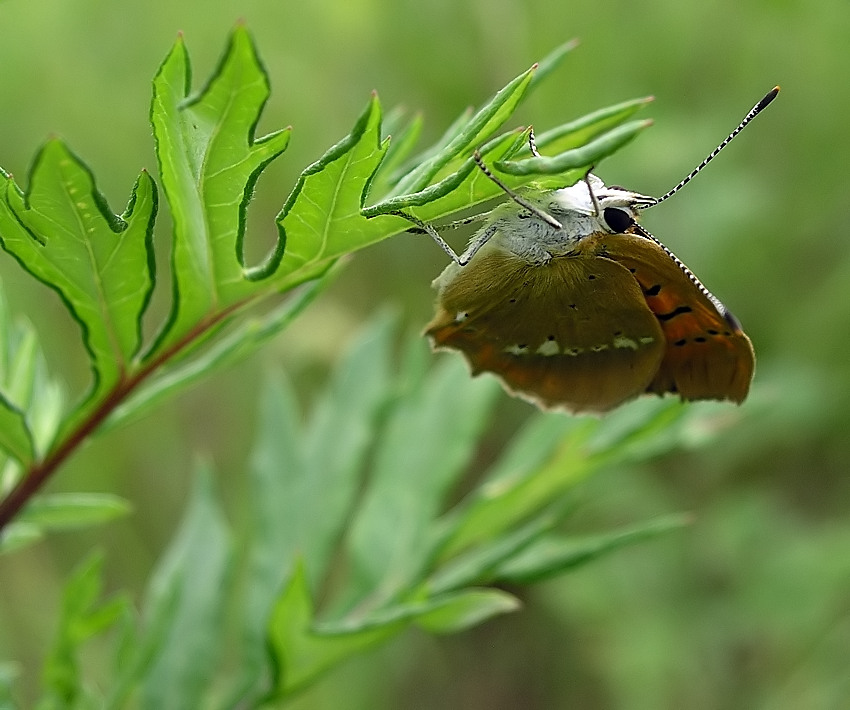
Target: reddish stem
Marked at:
41, 472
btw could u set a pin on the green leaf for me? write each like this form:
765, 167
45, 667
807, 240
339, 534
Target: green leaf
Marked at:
9, 672
209, 161
301, 649
245, 338
467, 132
464, 187
62, 511
304, 482
16, 536
15, 437
543, 461
552, 61
428, 440
30, 403
401, 144
393, 177
83, 617
337, 440
578, 159
475, 132
644, 429
101, 264
462, 184
184, 606
298, 653
553, 555
322, 219
466, 609
582, 130
477, 565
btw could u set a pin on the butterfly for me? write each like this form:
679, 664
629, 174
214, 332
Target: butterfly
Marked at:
573, 305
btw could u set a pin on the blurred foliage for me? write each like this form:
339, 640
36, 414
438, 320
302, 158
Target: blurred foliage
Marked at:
748, 608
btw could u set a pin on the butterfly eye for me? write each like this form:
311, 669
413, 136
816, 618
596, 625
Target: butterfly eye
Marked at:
617, 220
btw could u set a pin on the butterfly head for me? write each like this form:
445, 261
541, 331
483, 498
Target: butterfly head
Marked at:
611, 209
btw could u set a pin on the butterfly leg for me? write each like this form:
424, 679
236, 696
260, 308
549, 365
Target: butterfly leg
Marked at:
479, 241
425, 228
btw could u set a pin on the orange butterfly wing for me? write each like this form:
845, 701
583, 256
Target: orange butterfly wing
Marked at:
708, 356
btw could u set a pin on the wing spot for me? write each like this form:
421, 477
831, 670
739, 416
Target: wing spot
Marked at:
516, 349
672, 314
623, 342
653, 290
548, 347
680, 343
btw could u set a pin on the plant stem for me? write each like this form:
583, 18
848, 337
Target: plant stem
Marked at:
40, 473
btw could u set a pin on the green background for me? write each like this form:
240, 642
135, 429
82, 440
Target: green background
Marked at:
750, 607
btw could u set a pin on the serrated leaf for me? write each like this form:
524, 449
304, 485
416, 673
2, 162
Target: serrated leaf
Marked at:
184, 605
322, 218
101, 264
209, 161
62, 511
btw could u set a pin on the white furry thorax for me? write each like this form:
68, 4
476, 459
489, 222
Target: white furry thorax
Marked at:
529, 237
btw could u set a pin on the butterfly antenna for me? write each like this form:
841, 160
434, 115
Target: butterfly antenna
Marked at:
754, 111
532, 142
